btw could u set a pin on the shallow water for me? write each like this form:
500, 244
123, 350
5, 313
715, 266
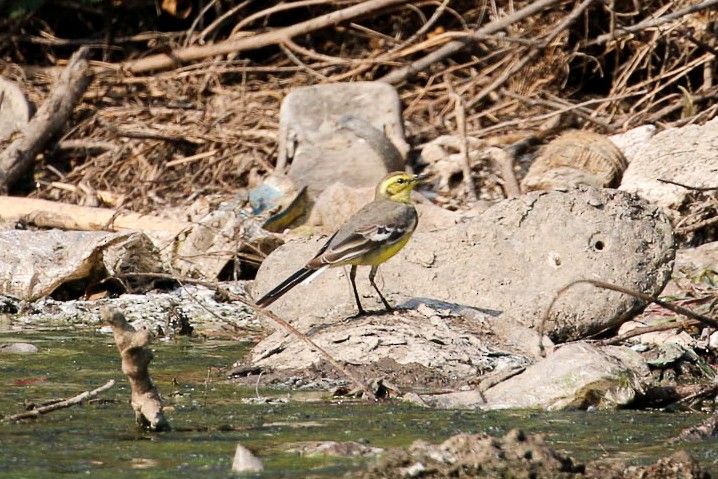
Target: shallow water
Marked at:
209, 418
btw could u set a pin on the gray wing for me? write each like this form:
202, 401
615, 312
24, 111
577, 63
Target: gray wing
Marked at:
363, 233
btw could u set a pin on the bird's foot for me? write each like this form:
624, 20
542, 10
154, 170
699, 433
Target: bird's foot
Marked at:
362, 313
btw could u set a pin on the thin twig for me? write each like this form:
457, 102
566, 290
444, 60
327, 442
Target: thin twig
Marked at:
221, 19
274, 9
401, 74
460, 115
688, 187
273, 317
197, 20
642, 296
650, 22
532, 54
648, 329
301, 64
697, 226
35, 413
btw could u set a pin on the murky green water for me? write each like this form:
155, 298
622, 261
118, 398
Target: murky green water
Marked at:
209, 418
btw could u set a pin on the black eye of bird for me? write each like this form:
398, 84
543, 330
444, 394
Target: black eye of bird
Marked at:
400, 181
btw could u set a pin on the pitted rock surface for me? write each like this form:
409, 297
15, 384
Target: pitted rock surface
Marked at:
685, 155
512, 258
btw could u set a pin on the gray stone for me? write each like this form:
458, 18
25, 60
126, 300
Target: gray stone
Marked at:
512, 258
631, 141
686, 155
35, 263
576, 376
450, 343
14, 109
323, 133
18, 348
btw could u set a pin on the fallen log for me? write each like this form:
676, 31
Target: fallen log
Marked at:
50, 214
19, 158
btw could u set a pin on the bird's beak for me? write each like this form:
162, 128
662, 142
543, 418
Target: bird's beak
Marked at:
421, 178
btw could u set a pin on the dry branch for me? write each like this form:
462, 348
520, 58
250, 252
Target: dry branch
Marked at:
19, 158
272, 317
533, 53
178, 57
648, 329
651, 22
401, 74
136, 357
505, 161
50, 214
460, 114
713, 323
80, 398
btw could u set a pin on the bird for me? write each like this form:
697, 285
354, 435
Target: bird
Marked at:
371, 236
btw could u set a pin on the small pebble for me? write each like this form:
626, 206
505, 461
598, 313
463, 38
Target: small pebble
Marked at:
713, 341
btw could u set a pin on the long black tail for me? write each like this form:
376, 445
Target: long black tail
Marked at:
285, 286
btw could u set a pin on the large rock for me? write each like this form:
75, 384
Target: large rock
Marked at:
34, 264
455, 344
349, 132
577, 376
685, 155
512, 258
14, 109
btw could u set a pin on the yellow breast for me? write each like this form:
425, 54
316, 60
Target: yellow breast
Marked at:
380, 255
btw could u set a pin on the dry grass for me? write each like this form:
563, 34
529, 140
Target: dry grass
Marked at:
150, 142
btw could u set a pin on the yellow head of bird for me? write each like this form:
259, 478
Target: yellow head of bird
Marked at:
397, 186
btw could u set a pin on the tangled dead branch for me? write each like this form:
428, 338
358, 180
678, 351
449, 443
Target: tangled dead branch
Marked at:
205, 123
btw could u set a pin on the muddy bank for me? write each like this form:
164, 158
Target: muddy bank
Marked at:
515, 455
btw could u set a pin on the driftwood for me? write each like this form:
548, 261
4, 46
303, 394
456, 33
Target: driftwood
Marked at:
18, 158
281, 323
50, 214
136, 357
187, 55
80, 398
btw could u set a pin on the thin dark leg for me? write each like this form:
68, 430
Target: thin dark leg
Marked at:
372, 274
352, 278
